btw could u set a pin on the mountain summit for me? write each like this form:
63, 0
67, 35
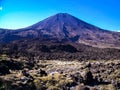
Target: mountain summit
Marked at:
64, 27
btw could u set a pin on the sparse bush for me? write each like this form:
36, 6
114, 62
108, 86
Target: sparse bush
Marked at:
53, 88
112, 87
108, 87
39, 84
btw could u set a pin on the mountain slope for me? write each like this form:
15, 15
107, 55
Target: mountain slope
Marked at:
64, 27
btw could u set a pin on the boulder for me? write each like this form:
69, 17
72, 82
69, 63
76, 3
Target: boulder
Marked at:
88, 78
4, 69
43, 73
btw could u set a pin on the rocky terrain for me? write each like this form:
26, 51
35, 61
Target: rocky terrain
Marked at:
49, 50
59, 75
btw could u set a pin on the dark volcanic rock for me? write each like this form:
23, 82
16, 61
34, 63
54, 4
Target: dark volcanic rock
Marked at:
3, 69
63, 48
43, 73
6, 65
88, 78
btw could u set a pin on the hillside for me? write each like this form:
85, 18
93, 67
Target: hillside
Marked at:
64, 27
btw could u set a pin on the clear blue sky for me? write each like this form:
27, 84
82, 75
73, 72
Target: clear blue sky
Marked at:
22, 13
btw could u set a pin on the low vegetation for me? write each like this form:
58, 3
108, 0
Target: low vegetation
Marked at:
60, 75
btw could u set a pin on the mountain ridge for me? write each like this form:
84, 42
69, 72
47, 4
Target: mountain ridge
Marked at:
65, 27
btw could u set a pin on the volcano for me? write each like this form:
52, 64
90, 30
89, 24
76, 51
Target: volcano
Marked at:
64, 27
